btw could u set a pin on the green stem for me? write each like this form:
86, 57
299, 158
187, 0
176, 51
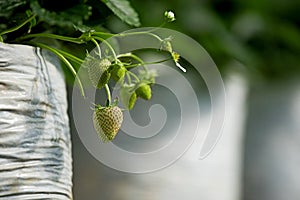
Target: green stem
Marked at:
17, 27
149, 63
55, 51
53, 36
109, 46
108, 94
133, 75
128, 78
97, 45
130, 55
160, 26
155, 36
124, 55
102, 34
137, 58
71, 57
142, 63
141, 33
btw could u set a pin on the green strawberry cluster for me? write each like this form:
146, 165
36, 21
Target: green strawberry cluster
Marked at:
134, 84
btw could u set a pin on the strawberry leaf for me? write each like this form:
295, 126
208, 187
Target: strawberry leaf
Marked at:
83, 28
124, 11
7, 7
67, 18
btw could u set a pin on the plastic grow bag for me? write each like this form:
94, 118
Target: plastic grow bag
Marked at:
35, 146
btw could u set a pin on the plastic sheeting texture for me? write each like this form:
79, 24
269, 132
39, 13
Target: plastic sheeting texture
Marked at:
35, 146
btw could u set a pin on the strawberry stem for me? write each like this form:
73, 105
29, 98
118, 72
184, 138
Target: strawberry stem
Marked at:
133, 75
97, 45
141, 33
148, 63
17, 27
128, 78
102, 34
108, 93
53, 36
109, 46
131, 55
71, 57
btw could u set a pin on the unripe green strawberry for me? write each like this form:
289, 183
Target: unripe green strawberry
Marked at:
132, 101
98, 72
107, 122
118, 72
144, 91
128, 96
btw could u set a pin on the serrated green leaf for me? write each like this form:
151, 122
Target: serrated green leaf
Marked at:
7, 7
67, 18
124, 11
83, 28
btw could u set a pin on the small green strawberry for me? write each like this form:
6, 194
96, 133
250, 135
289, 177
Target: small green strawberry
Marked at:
118, 72
98, 72
107, 122
132, 100
128, 97
144, 91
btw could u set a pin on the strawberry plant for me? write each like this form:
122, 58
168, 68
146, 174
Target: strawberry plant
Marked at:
41, 24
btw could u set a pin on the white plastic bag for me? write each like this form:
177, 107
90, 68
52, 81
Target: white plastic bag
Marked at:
35, 145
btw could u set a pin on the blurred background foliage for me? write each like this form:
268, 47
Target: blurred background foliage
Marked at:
257, 38
263, 36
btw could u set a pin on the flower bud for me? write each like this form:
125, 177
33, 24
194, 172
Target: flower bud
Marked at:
170, 16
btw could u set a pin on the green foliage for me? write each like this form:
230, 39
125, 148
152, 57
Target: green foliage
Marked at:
67, 18
262, 36
8, 6
62, 18
124, 11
